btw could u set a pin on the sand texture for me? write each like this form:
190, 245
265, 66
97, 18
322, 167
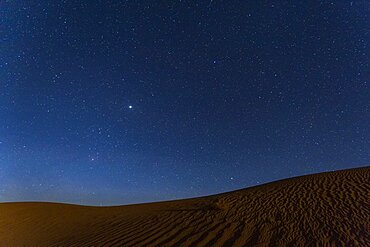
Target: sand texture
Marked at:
327, 209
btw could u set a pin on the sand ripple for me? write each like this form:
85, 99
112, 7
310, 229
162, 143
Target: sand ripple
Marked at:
327, 209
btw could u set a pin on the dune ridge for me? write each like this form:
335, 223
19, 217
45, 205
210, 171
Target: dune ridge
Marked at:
326, 209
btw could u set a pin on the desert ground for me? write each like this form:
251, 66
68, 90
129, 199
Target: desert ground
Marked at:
326, 209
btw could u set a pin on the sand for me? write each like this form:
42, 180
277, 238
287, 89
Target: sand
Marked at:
327, 209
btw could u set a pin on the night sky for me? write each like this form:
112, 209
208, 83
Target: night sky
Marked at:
116, 102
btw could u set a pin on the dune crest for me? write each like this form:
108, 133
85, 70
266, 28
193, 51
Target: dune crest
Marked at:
326, 209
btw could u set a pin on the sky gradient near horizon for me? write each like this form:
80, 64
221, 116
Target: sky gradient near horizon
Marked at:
116, 102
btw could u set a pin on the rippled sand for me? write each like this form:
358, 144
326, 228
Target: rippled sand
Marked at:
327, 209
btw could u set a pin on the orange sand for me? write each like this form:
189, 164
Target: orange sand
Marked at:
327, 209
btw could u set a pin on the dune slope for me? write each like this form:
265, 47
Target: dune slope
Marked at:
327, 209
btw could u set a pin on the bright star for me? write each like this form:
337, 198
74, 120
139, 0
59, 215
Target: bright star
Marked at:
130, 106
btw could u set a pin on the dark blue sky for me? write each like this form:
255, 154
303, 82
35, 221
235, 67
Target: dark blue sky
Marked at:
114, 102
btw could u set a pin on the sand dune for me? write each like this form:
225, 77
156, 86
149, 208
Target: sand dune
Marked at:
327, 209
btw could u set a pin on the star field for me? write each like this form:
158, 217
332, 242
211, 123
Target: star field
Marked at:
115, 102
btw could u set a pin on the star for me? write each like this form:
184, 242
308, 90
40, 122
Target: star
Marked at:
251, 91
